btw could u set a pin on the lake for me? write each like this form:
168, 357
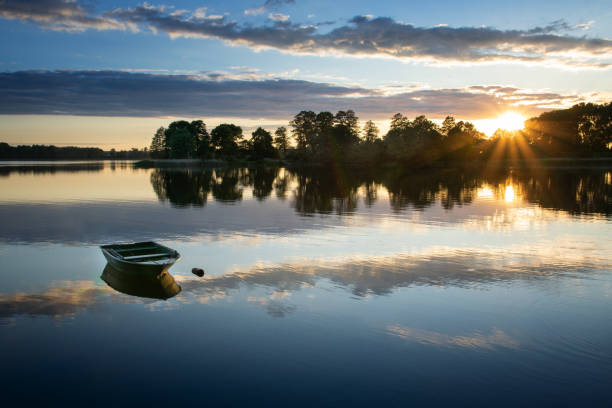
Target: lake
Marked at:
323, 287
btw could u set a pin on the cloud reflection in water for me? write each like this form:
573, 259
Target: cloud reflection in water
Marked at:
496, 338
379, 276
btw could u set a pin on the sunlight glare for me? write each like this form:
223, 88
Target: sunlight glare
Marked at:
485, 193
509, 194
508, 121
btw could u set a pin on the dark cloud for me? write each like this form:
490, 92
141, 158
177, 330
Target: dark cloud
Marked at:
361, 36
57, 14
118, 93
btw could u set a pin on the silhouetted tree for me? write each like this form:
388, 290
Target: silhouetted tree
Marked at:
180, 141
461, 138
225, 137
595, 127
280, 139
304, 129
398, 123
348, 124
203, 147
370, 132
157, 149
416, 140
581, 128
182, 144
448, 124
261, 141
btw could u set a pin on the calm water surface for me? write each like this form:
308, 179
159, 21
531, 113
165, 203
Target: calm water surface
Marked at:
322, 287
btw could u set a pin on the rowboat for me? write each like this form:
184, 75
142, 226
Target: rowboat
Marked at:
162, 286
141, 258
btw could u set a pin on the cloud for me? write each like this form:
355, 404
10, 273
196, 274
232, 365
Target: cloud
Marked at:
246, 94
278, 17
269, 4
361, 36
61, 15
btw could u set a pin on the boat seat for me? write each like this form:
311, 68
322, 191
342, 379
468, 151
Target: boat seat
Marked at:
147, 256
135, 249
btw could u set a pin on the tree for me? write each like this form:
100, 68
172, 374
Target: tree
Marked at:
424, 130
198, 129
346, 129
304, 129
224, 138
595, 127
448, 124
460, 139
185, 143
182, 144
370, 132
280, 139
261, 141
348, 121
416, 140
157, 149
324, 122
399, 122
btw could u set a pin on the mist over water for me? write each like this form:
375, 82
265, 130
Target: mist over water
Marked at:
323, 286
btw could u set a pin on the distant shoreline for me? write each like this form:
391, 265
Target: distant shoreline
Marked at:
536, 163
556, 162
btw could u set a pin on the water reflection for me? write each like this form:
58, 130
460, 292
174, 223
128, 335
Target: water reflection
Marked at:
162, 286
68, 298
489, 341
62, 299
381, 276
336, 191
39, 169
375, 276
507, 200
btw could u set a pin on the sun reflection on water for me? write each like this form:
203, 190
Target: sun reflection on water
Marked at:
509, 195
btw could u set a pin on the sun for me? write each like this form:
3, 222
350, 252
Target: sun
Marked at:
510, 121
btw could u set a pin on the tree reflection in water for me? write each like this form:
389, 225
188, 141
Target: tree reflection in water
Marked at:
336, 190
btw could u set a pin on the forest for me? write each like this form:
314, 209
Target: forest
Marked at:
42, 152
584, 130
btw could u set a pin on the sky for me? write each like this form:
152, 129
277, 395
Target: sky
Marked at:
109, 73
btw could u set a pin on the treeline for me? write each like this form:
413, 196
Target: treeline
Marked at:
187, 140
42, 152
323, 137
582, 130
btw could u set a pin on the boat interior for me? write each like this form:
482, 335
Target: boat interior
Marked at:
140, 252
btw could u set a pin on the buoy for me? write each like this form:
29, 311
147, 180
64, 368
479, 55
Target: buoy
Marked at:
198, 271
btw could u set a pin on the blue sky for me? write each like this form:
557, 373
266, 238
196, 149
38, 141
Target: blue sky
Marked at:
141, 65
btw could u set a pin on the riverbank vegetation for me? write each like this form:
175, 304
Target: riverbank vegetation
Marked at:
585, 130
41, 152
582, 131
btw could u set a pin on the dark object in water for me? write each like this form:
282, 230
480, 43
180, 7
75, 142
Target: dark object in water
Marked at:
161, 286
142, 258
198, 271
